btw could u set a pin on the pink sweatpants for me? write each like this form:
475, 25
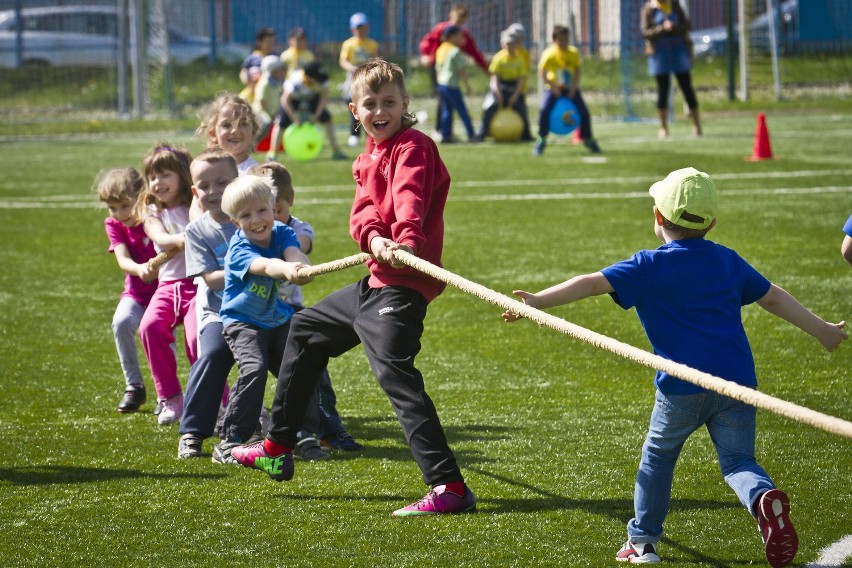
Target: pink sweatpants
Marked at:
172, 304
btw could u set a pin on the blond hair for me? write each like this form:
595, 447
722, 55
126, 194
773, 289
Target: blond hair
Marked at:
118, 184
244, 189
375, 74
282, 181
209, 116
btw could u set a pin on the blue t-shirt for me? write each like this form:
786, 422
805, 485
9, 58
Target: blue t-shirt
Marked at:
688, 295
250, 298
847, 228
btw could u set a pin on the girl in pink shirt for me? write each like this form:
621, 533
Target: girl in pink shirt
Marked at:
118, 189
164, 207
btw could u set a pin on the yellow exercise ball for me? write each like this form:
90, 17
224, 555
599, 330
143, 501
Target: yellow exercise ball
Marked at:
506, 126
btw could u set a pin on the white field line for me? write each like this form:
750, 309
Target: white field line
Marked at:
834, 555
75, 201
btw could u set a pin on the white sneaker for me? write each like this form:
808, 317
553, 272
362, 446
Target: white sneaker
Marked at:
638, 553
172, 410
353, 141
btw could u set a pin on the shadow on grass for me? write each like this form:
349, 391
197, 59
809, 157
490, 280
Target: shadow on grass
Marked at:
618, 509
65, 474
366, 428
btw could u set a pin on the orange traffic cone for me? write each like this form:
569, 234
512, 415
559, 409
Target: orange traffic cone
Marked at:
762, 150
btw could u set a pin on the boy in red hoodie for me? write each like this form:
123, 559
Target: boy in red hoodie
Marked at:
401, 190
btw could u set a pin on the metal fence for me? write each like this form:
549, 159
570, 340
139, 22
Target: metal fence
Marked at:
810, 35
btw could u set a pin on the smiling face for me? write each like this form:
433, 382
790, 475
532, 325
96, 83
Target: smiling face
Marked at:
165, 185
255, 217
122, 211
209, 180
380, 113
233, 132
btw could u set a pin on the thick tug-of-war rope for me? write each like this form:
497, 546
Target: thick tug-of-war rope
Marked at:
334, 265
162, 258
710, 382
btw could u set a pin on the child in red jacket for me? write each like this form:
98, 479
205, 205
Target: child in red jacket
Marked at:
401, 190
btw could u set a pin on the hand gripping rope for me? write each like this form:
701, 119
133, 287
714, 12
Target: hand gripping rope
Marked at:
710, 382
162, 258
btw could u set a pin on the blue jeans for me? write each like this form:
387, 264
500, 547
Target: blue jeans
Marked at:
207, 379
731, 425
452, 100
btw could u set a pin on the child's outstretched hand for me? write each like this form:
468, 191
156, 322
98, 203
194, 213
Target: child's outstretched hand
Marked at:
529, 299
291, 273
832, 335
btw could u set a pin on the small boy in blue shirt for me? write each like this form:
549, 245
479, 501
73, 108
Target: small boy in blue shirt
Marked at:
846, 245
256, 321
688, 294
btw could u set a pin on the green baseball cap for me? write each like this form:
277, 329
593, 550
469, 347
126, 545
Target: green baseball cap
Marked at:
687, 198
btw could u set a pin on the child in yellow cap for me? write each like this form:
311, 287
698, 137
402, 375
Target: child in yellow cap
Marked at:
688, 294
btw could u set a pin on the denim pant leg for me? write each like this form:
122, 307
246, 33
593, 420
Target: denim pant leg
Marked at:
732, 428
547, 105
673, 420
330, 422
125, 322
207, 380
585, 117
446, 111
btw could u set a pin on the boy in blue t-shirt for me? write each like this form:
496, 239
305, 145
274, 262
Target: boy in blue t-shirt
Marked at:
688, 294
846, 245
256, 321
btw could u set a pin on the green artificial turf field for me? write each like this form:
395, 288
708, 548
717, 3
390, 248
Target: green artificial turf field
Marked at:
548, 429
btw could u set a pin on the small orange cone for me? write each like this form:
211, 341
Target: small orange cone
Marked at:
578, 138
762, 150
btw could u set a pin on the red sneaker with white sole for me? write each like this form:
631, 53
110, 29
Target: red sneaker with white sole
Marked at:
779, 535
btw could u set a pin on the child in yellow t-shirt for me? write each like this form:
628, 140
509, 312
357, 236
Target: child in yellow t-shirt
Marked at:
297, 54
509, 71
355, 51
559, 68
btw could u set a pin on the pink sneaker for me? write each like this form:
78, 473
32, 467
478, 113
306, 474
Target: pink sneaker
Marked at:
279, 468
779, 535
438, 501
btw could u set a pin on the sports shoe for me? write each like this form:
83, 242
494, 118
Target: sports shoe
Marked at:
540, 144
338, 155
353, 141
638, 553
222, 453
440, 501
158, 408
309, 450
779, 535
592, 146
279, 468
189, 446
343, 440
172, 410
133, 398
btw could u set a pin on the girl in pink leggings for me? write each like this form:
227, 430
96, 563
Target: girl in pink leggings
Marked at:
164, 207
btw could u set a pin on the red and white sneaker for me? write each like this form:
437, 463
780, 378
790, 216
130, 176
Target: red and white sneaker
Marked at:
638, 553
439, 501
779, 535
